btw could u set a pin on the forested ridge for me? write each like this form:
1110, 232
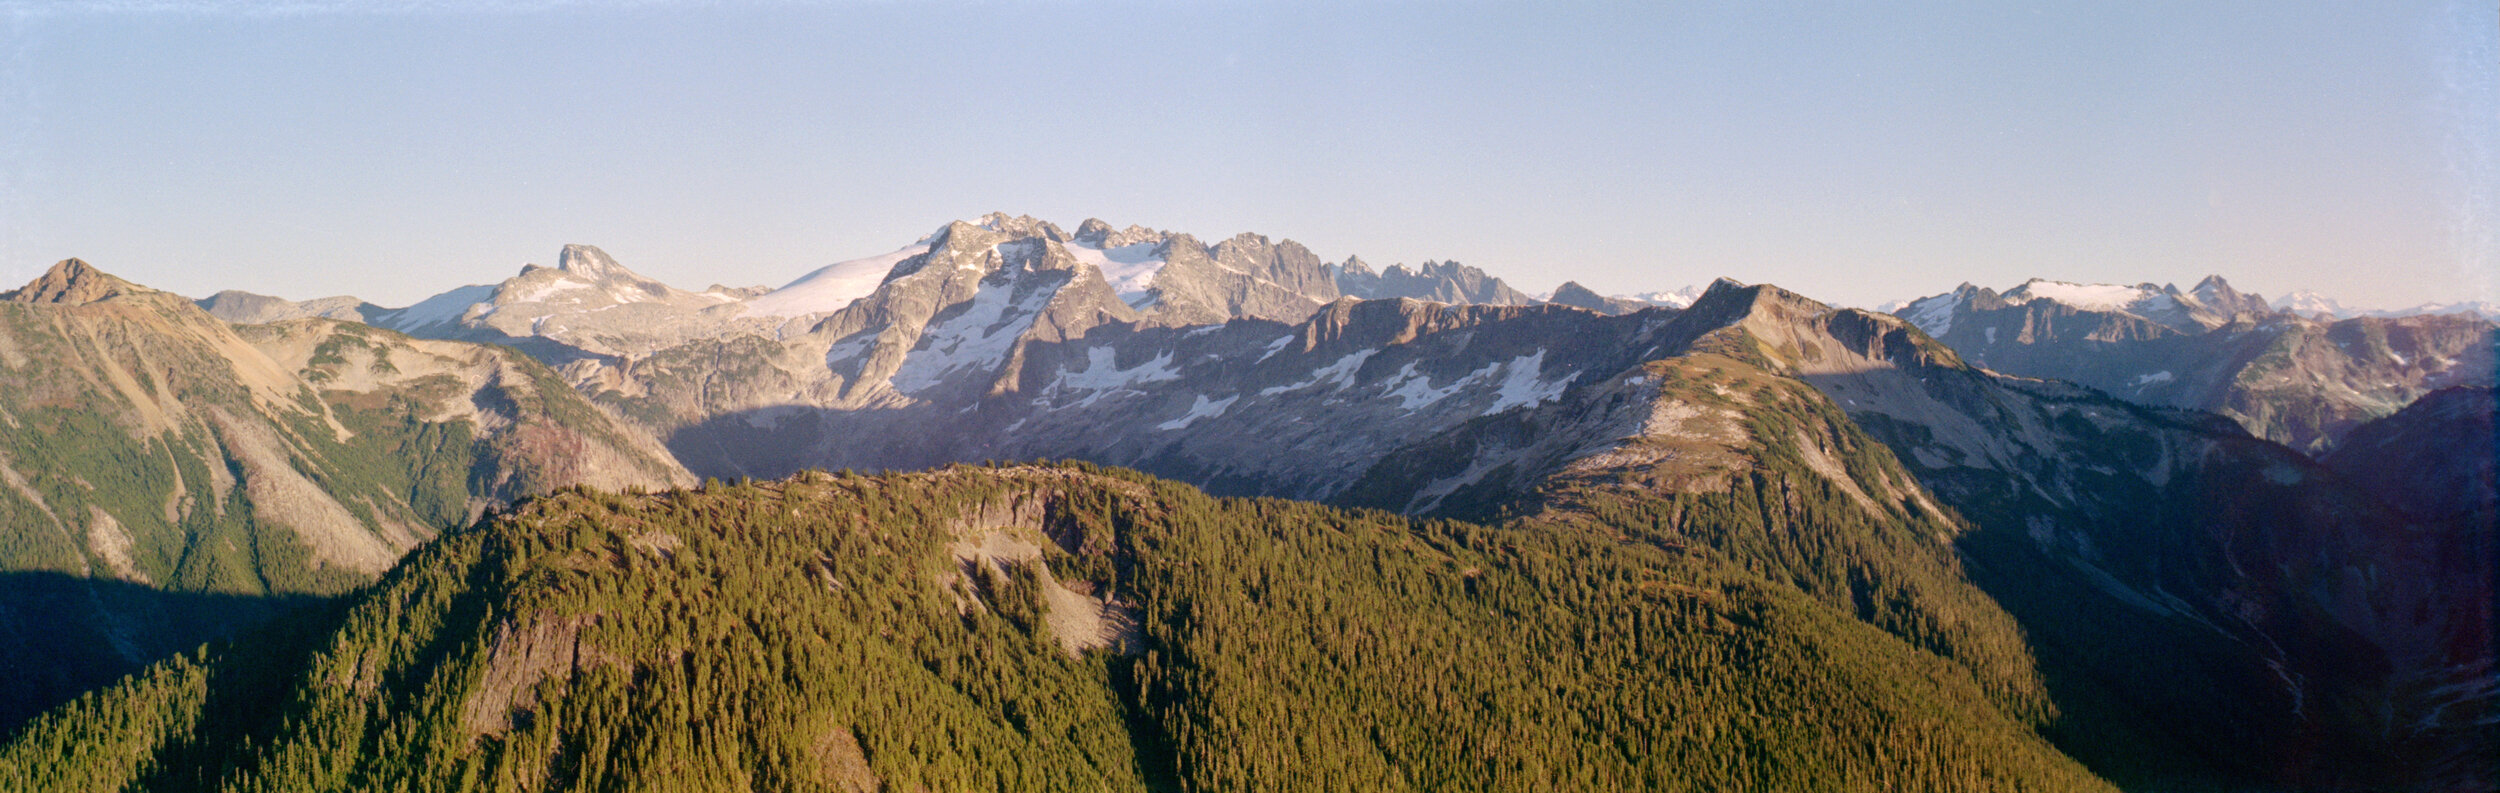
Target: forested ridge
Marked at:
1072, 627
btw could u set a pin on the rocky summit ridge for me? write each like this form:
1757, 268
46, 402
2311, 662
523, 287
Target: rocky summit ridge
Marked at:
71, 282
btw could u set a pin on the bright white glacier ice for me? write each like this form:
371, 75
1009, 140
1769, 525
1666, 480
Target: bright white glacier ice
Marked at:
832, 287
2102, 297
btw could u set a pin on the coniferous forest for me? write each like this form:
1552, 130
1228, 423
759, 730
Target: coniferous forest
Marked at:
1064, 627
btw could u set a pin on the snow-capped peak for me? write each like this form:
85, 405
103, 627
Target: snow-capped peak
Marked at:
2096, 297
2165, 305
2311, 304
2482, 308
1933, 314
1680, 298
2218, 295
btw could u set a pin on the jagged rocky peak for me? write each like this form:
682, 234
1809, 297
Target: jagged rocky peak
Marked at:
1092, 232
2217, 294
958, 238
1177, 279
73, 282
590, 263
1448, 269
1247, 239
1180, 243
1284, 262
994, 243
1099, 234
1022, 226
1571, 293
582, 264
1729, 299
1442, 282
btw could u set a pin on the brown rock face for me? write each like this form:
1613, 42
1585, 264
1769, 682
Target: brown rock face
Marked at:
71, 282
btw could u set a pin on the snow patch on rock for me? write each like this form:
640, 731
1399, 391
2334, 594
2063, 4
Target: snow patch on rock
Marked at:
1201, 409
1102, 376
1130, 269
1274, 347
980, 335
1522, 384
1341, 373
1931, 314
1415, 390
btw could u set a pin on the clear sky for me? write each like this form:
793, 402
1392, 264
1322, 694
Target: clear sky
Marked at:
1856, 152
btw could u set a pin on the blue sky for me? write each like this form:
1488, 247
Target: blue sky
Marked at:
1854, 152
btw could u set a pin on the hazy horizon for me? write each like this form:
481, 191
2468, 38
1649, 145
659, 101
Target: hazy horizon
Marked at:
392, 151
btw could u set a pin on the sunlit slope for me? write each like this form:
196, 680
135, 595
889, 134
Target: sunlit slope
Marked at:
165, 476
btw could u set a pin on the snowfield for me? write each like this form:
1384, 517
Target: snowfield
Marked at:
832, 287
1130, 269
2103, 297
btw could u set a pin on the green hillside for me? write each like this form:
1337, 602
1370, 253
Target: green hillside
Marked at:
1048, 628
166, 478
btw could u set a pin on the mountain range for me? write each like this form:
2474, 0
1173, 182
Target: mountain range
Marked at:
1989, 521
2299, 380
588, 306
2311, 304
